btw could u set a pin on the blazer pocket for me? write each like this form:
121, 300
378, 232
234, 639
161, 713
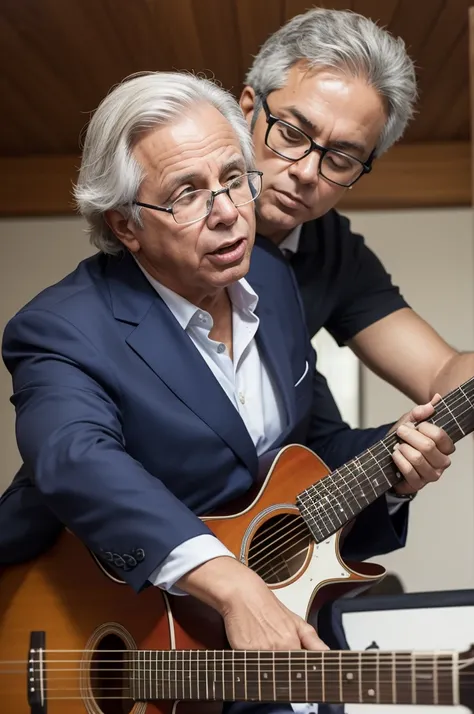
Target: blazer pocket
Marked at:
306, 367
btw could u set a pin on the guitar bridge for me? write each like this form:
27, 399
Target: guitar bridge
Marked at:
36, 674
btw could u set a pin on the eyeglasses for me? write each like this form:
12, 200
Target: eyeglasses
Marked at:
293, 144
193, 206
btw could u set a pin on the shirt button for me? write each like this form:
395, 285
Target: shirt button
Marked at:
241, 397
221, 348
201, 317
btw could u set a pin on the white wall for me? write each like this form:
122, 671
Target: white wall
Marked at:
429, 253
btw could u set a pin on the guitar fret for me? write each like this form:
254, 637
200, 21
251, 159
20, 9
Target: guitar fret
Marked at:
306, 693
369, 676
233, 676
289, 679
245, 676
377, 676
360, 677
341, 693
364, 677
325, 506
394, 680
266, 676
455, 678
323, 677
463, 433
274, 678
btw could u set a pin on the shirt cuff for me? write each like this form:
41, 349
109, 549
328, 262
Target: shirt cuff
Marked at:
184, 558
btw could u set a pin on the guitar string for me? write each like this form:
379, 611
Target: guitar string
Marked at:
286, 532
300, 528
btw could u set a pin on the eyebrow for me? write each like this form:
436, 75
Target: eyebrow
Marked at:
337, 144
236, 162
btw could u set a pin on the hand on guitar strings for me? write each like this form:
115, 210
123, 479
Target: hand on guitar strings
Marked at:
423, 455
254, 618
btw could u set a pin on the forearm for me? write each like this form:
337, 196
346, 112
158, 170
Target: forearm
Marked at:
457, 370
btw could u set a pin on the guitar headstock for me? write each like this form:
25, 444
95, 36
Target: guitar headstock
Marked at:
466, 678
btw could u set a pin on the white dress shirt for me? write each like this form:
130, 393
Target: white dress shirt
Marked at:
248, 385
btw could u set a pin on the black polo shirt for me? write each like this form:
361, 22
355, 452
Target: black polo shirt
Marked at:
343, 285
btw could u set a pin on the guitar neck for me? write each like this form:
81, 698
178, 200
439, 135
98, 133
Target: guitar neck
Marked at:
298, 676
336, 499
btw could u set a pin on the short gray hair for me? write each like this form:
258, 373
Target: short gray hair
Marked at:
351, 43
109, 176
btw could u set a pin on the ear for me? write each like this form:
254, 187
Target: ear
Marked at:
124, 229
247, 103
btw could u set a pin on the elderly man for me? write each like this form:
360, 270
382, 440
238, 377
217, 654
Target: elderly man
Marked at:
327, 94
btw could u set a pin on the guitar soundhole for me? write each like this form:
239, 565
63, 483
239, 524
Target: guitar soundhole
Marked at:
110, 676
279, 548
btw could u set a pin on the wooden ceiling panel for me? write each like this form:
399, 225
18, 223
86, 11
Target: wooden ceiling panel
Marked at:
448, 35
217, 24
453, 127
413, 25
380, 12
256, 21
60, 57
452, 79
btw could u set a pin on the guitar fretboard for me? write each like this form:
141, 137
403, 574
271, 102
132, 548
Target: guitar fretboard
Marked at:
334, 500
299, 676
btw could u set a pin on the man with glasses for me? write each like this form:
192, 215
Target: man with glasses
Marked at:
326, 95
148, 382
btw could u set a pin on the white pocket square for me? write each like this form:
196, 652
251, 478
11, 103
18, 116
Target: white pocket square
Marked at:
303, 375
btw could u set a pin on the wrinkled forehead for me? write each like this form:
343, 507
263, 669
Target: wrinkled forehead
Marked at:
201, 137
327, 100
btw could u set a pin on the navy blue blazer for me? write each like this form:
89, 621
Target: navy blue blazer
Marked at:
125, 434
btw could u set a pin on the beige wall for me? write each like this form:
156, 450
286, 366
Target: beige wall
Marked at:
34, 254
429, 253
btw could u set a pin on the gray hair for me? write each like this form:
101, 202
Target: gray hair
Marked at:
109, 176
346, 41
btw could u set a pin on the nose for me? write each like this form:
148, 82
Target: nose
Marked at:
223, 211
306, 170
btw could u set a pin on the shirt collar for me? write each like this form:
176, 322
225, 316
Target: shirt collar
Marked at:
242, 296
292, 241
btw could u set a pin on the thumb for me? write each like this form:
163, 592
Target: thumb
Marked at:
423, 411
309, 638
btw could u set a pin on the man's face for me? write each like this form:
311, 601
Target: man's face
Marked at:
199, 151
335, 111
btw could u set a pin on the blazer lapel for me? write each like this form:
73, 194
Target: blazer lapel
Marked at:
271, 342
162, 343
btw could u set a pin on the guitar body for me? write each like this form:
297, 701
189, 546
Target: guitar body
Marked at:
81, 605
266, 532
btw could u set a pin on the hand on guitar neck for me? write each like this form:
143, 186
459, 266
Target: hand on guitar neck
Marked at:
423, 454
253, 616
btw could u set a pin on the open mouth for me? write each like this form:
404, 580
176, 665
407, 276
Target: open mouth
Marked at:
229, 253
228, 248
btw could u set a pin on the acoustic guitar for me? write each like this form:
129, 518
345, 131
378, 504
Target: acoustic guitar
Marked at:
73, 641
288, 531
